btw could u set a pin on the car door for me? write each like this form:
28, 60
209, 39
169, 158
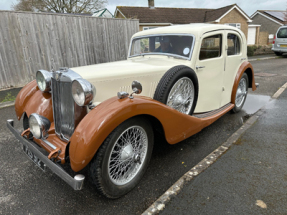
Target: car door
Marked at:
233, 58
210, 70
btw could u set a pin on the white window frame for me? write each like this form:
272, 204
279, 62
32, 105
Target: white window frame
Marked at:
238, 25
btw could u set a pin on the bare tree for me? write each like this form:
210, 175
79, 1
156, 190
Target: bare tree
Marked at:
59, 6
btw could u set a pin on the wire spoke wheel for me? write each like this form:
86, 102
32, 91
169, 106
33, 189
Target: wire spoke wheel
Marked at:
181, 95
241, 92
127, 155
123, 157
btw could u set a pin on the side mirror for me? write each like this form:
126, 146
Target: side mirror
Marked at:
137, 87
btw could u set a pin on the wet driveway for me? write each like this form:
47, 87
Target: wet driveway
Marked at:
254, 102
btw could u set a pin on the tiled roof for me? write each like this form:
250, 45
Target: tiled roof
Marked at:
173, 15
273, 16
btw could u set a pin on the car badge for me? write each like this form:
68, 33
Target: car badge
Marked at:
57, 76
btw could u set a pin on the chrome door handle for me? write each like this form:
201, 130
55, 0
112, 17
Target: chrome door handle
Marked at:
243, 58
199, 67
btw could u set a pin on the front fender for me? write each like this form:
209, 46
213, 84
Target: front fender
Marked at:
104, 118
30, 99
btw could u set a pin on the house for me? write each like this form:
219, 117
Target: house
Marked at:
270, 20
103, 13
152, 17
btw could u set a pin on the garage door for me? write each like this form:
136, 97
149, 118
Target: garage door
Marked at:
251, 35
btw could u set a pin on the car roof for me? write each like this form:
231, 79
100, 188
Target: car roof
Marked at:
195, 29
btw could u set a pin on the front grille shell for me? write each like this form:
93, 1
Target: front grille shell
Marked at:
66, 112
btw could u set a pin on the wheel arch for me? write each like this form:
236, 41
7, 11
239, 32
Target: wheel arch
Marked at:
249, 73
30, 100
157, 126
247, 68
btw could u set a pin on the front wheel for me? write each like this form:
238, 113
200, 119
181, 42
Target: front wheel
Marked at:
123, 158
241, 93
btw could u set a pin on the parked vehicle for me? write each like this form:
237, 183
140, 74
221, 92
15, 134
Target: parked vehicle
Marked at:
189, 76
279, 45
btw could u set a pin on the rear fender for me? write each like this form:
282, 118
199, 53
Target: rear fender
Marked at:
247, 68
32, 100
104, 118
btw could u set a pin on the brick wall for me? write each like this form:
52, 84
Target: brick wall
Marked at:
236, 17
263, 38
266, 24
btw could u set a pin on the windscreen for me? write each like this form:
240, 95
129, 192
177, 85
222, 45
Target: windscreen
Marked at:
282, 33
168, 44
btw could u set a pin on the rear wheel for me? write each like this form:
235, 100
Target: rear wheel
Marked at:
241, 93
123, 158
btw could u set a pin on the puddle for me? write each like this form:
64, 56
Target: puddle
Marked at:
254, 102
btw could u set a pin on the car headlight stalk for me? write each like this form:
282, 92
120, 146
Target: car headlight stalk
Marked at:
39, 126
43, 79
83, 92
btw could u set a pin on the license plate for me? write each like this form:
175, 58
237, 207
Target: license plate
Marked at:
283, 45
34, 158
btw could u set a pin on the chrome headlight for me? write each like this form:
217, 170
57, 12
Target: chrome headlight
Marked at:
39, 125
83, 92
43, 79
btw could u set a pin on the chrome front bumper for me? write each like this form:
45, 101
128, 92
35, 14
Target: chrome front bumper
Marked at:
77, 182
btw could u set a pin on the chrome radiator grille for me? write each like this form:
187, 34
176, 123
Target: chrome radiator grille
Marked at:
63, 108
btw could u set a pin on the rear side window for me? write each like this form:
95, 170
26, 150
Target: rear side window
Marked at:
233, 43
211, 47
282, 33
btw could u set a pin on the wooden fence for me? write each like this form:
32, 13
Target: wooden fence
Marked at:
33, 41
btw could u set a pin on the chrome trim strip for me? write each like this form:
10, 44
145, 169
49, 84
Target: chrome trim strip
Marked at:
164, 54
76, 183
48, 143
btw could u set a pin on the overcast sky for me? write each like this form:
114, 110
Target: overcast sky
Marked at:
249, 6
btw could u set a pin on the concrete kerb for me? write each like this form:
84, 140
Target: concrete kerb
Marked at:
7, 104
264, 58
175, 189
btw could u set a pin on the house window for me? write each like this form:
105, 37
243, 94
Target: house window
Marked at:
211, 47
233, 43
236, 25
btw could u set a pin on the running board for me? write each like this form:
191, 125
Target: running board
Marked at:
214, 112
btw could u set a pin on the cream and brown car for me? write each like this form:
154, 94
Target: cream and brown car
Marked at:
188, 77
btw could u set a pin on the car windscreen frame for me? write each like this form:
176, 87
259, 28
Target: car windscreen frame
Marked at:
161, 53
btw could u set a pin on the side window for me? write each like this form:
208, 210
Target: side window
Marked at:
211, 47
233, 43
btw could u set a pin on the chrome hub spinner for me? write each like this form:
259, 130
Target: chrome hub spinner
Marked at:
127, 152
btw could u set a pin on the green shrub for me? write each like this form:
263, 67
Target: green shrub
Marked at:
250, 50
8, 98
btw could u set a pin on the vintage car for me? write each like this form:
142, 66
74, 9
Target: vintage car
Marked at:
189, 76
